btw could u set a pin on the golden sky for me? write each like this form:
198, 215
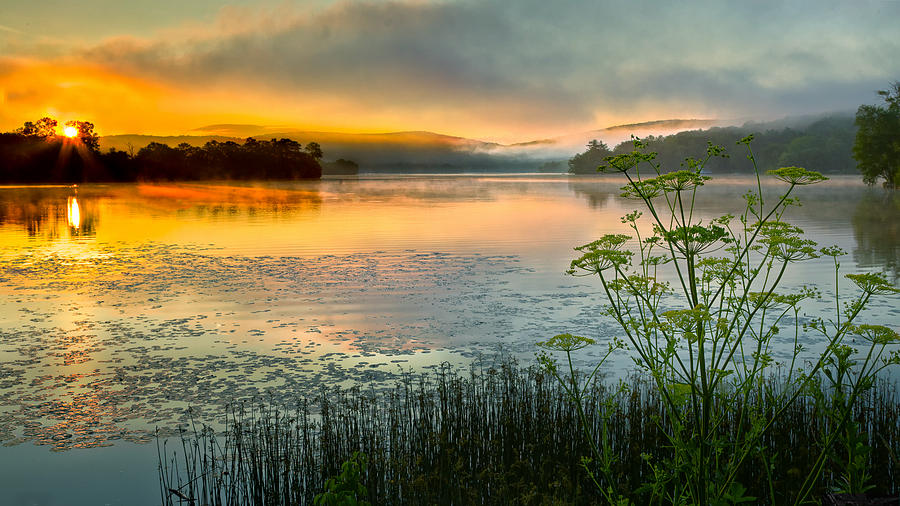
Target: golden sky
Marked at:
492, 69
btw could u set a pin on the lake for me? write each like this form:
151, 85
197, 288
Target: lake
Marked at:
125, 306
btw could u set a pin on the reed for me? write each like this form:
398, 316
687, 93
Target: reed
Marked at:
504, 434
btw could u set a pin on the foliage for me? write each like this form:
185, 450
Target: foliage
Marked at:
697, 305
476, 437
499, 434
825, 144
340, 167
86, 134
587, 162
254, 159
36, 154
44, 128
346, 489
877, 146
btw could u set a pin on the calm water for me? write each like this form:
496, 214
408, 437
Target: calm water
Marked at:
123, 305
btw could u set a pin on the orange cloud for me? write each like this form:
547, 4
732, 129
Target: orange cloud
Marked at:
121, 102
118, 102
507, 71
32, 89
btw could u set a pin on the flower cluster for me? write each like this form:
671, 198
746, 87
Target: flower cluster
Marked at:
872, 283
601, 255
797, 175
784, 241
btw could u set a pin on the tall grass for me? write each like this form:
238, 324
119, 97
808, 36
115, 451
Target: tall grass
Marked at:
494, 435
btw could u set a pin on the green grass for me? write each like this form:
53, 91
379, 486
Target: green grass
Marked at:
500, 435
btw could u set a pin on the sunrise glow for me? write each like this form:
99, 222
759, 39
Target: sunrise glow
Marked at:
222, 220
73, 212
470, 76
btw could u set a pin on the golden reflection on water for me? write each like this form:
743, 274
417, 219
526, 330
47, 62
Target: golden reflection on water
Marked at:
73, 213
301, 218
121, 300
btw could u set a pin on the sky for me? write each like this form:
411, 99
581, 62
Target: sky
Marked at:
497, 70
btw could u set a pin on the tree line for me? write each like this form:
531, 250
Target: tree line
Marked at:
877, 146
825, 145
868, 143
35, 153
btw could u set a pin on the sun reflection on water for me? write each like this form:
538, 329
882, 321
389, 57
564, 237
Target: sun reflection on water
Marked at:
73, 213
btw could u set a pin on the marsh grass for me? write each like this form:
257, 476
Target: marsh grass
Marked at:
490, 435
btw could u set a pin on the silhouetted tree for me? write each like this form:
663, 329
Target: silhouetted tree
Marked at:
31, 154
158, 161
86, 134
590, 160
877, 146
314, 150
44, 128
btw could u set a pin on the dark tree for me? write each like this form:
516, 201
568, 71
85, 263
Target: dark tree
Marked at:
314, 150
825, 145
590, 160
44, 128
86, 134
340, 167
877, 146
35, 154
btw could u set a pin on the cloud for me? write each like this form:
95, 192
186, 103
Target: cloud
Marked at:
528, 65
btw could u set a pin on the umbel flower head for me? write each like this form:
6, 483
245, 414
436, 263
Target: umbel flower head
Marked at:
784, 241
696, 238
627, 161
566, 342
601, 254
645, 189
876, 334
681, 180
797, 175
677, 181
873, 283
619, 163
688, 319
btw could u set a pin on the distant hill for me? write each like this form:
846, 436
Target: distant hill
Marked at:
565, 146
822, 143
373, 152
420, 151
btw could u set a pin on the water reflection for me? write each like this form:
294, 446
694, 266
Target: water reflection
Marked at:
48, 213
73, 213
876, 227
597, 191
27, 208
52, 213
199, 294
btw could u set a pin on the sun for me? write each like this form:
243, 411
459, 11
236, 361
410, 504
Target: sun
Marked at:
70, 131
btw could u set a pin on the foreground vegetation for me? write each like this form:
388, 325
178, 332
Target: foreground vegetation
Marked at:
727, 406
703, 312
495, 435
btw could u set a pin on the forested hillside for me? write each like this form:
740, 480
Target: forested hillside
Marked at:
825, 145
